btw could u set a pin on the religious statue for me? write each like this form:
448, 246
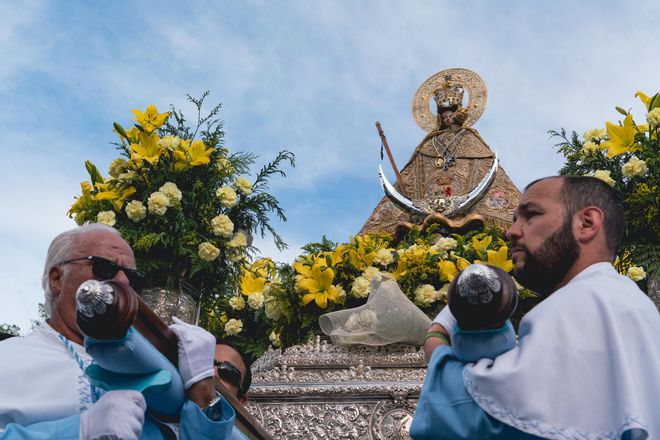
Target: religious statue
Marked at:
453, 177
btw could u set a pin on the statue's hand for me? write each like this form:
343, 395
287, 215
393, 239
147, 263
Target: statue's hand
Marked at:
196, 350
117, 414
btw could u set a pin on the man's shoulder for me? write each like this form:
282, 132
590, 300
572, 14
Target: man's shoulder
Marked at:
41, 343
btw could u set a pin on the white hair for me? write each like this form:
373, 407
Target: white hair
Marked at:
59, 250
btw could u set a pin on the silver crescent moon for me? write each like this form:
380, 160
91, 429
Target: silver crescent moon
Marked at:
456, 205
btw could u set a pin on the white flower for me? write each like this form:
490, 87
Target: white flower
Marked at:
106, 217
126, 176
222, 225
238, 240
227, 196
636, 273
243, 185
593, 134
384, 257
256, 300
444, 244
588, 148
158, 203
361, 321
272, 309
372, 273
135, 210
207, 251
169, 142
171, 191
653, 117
425, 295
442, 293
274, 339
116, 167
233, 326
634, 167
604, 175
237, 302
224, 165
360, 287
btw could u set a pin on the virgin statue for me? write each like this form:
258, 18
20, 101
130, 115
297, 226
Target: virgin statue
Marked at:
452, 177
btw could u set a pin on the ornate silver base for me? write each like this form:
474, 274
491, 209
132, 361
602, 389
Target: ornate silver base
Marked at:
323, 391
167, 304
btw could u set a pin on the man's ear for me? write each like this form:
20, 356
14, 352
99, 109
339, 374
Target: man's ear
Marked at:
55, 280
588, 223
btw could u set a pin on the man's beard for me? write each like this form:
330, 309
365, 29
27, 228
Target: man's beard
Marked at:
544, 269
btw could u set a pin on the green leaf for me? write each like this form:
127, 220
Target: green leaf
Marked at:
93, 172
655, 101
120, 130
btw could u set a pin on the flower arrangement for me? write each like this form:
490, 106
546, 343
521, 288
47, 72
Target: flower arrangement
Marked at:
285, 301
183, 201
626, 156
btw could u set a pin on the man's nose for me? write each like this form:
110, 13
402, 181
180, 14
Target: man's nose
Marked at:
120, 276
513, 232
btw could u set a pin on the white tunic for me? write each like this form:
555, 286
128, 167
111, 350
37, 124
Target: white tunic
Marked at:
36, 373
587, 365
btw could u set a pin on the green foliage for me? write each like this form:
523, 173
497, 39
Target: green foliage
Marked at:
634, 170
162, 195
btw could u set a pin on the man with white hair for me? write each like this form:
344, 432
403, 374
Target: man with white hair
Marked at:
587, 363
44, 392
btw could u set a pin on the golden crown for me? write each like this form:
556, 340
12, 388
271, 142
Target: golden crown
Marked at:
448, 95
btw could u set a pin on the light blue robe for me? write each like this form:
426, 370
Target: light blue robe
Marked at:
445, 409
194, 425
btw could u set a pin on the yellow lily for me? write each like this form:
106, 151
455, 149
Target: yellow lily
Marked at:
150, 119
499, 258
644, 98
462, 263
448, 270
116, 197
81, 202
401, 269
263, 267
191, 155
147, 149
251, 283
621, 138
319, 287
480, 246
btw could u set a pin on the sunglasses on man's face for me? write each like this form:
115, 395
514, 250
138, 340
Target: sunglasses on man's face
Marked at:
105, 269
229, 372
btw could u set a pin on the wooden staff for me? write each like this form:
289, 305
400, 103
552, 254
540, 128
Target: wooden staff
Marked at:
399, 179
129, 309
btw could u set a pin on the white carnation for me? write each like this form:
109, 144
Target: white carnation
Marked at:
222, 225
243, 185
256, 300
360, 287
158, 203
444, 244
106, 217
227, 196
233, 327
237, 302
425, 295
135, 210
172, 191
207, 251
384, 257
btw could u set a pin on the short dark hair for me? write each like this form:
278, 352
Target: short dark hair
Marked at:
579, 192
247, 379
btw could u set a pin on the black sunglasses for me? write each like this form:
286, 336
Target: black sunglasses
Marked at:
230, 373
105, 269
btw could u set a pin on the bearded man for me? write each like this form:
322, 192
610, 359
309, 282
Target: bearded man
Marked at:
44, 391
587, 362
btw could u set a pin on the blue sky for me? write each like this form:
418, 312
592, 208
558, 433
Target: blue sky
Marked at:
308, 76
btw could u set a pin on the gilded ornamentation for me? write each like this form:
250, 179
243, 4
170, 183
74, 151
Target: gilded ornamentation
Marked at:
477, 97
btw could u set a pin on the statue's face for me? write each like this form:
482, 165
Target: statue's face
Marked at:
447, 118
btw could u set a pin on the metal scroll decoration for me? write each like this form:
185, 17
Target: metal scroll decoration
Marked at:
453, 206
471, 82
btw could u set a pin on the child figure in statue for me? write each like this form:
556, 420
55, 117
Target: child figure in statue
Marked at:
482, 298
